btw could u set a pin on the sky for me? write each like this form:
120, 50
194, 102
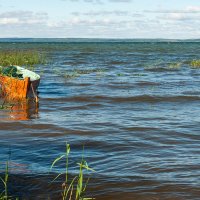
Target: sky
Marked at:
170, 19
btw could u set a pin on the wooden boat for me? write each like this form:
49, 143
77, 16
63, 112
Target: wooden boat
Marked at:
20, 88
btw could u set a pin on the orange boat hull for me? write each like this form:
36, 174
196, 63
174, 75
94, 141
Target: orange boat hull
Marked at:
18, 89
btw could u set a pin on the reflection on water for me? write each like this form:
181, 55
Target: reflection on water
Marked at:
14, 167
19, 110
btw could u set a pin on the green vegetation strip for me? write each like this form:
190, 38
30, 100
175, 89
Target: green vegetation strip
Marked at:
21, 58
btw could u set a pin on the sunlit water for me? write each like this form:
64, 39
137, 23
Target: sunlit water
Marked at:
135, 110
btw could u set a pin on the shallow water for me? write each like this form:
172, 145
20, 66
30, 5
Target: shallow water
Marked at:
134, 110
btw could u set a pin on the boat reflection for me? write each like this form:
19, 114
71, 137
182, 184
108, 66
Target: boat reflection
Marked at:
21, 110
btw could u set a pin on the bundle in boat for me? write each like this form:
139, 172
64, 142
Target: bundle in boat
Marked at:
19, 83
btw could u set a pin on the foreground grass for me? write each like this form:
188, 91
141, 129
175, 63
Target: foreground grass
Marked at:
4, 194
74, 189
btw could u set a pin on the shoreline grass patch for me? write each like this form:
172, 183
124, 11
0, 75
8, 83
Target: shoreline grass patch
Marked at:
22, 58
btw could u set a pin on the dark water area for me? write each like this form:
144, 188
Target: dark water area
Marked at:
133, 105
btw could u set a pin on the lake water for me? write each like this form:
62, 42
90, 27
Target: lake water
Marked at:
133, 105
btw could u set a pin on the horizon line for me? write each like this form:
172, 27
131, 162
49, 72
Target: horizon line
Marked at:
109, 38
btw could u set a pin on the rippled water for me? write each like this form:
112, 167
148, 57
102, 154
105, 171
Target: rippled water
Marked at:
129, 103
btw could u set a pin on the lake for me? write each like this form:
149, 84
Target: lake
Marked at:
135, 107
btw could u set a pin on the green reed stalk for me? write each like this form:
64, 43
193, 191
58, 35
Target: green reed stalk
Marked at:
77, 182
22, 58
4, 194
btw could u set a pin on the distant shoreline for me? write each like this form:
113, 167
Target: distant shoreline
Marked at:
93, 40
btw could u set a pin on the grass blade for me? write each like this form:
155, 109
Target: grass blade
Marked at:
56, 160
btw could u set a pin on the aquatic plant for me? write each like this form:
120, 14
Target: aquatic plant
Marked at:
2, 107
4, 194
154, 64
119, 74
71, 189
26, 58
5, 105
175, 65
195, 63
76, 187
138, 74
74, 73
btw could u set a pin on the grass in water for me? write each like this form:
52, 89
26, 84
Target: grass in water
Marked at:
26, 58
76, 188
74, 73
175, 65
4, 194
195, 63
4, 105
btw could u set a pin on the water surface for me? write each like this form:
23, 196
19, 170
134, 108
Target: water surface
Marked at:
128, 102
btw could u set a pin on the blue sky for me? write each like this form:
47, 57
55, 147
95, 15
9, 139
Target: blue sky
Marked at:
100, 18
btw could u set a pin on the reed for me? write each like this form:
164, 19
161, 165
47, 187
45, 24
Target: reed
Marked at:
75, 188
22, 58
72, 189
4, 194
195, 63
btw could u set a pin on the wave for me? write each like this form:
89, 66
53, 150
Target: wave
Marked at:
116, 99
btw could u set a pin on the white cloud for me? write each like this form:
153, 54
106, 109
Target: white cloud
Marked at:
5, 20
189, 9
23, 17
121, 1
180, 17
103, 23
102, 13
102, 1
193, 9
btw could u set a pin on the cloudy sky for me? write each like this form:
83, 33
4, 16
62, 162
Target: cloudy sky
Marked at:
100, 18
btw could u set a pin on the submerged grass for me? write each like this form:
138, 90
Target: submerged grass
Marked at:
175, 65
195, 63
4, 106
74, 73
